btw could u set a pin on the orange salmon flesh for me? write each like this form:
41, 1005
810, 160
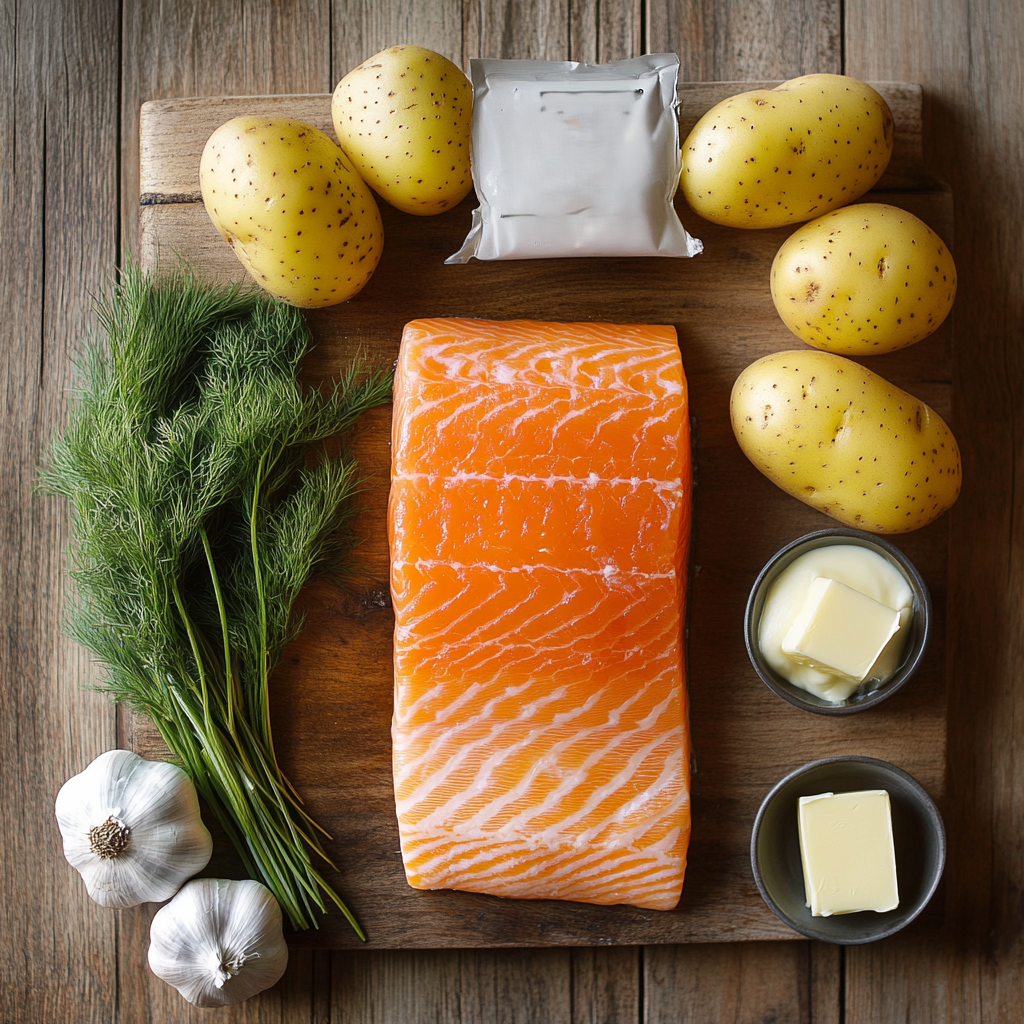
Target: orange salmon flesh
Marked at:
539, 521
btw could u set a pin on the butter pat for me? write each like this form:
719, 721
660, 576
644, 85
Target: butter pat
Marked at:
860, 569
847, 851
839, 630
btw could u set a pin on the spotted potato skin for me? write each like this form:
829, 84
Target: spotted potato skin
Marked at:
771, 157
404, 118
864, 280
845, 441
299, 217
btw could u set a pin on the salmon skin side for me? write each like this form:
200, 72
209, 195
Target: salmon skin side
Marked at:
539, 521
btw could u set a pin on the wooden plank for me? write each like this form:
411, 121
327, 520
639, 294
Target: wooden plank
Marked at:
327, 703
827, 983
520, 986
604, 32
967, 57
58, 174
606, 985
742, 40
746, 983
392, 987
527, 30
364, 27
579, 986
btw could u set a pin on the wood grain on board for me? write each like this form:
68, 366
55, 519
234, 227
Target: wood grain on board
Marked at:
332, 699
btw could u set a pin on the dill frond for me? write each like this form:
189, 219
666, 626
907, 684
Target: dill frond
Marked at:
203, 499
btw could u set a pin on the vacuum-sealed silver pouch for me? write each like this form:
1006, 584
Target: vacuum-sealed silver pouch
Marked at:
575, 159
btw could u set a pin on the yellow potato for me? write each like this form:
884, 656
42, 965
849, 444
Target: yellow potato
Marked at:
845, 441
298, 216
404, 118
779, 156
863, 280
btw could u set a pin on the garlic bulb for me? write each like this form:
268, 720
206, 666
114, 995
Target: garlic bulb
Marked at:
132, 829
218, 941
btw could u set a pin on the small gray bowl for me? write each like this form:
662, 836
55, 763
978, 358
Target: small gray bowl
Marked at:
862, 699
918, 836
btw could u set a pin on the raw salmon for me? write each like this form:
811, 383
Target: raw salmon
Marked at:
539, 521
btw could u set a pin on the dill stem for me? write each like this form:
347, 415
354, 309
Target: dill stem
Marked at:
264, 695
261, 599
200, 666
229, 676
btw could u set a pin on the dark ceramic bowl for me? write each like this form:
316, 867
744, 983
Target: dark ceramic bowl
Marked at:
862, 699
918, 836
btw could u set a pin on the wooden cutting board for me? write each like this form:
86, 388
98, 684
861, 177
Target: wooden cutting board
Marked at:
332, 693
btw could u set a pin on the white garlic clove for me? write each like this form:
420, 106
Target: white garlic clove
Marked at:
132, 829
219, 941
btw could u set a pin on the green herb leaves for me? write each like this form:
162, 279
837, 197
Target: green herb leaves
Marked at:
204, 498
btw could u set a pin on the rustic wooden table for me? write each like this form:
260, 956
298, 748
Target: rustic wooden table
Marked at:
76, 75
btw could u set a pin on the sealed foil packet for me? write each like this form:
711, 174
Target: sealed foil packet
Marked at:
575, 159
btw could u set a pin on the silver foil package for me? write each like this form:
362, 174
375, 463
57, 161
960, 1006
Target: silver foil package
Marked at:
574, 159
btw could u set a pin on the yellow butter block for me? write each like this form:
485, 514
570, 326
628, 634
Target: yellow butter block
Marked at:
839, 630
848, 854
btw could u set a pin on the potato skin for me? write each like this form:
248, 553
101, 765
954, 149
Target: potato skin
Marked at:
863, 280
286, 199
778, 156
845, 441
404, 118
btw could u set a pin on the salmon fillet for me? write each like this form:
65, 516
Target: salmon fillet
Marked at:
539, 520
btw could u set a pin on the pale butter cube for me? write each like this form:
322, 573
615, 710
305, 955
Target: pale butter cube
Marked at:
847, 851
839, 630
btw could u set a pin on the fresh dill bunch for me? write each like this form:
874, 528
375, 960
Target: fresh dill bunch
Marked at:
203, 498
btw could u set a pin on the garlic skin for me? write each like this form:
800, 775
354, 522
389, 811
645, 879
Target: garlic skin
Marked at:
219, 941
132, 829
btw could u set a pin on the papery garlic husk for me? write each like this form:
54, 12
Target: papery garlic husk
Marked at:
132, 829
219, 941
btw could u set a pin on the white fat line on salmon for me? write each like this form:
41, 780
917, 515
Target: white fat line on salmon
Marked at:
613, 350
593, 480
662, 671
414, 710
429, 847
665, 797
549, 658
445, 762
548, 333
417, 784
569, 866
433, 398
621, 878
406, 772
609, 869
519, 659
588, 411
425, 564
665, 781
407, 624
616, 354
494, 765
497, 370
432, 634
